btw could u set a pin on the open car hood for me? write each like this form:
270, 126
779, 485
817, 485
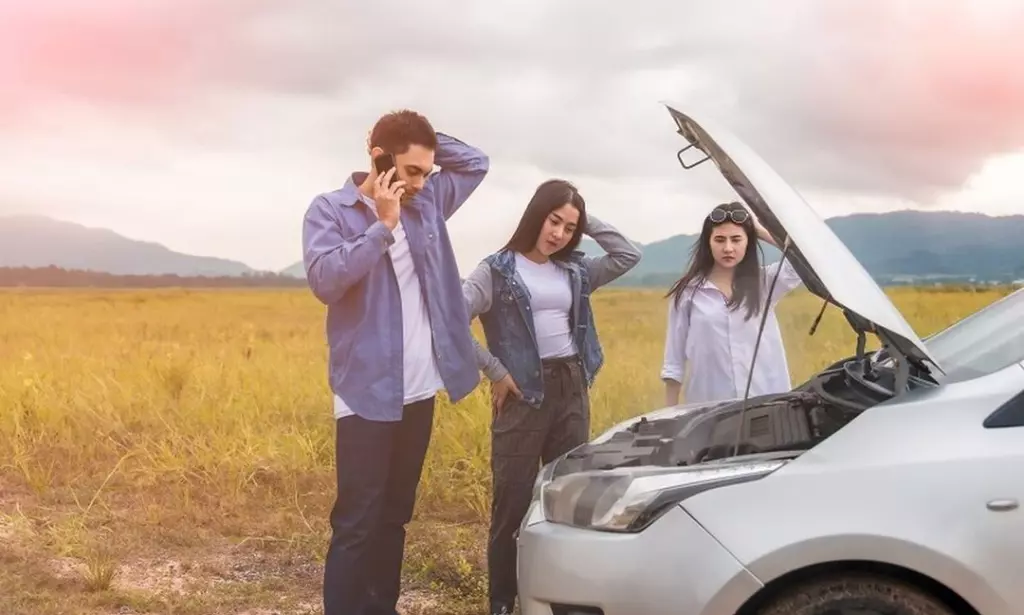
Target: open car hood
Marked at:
826, 266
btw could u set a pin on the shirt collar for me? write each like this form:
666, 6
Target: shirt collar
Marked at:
350, 191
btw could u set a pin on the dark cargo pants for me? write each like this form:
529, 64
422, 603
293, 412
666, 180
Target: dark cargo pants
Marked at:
521, 438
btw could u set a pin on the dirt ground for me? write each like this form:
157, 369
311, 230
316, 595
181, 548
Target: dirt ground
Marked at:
54, 563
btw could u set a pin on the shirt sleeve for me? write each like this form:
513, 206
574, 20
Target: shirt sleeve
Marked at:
674, 364
788, 280
476, 292
334, 264
620, 256
463, 169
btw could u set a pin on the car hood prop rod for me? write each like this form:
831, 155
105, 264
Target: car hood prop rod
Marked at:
757, 345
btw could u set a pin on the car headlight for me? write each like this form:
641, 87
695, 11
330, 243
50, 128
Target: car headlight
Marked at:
630, 499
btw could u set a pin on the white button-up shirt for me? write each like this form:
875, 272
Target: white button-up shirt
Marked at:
717, 343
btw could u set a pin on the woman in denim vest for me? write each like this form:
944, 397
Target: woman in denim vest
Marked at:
533, 300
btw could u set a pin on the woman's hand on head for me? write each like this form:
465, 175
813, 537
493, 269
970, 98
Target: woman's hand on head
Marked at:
762, 232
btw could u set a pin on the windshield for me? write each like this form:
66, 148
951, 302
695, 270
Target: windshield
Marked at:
984, 342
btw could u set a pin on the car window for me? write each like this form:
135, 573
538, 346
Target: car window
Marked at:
984, 342
1010, 414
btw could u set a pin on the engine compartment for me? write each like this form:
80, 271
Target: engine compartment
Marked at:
793, 421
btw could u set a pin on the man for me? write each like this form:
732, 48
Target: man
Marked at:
378, 255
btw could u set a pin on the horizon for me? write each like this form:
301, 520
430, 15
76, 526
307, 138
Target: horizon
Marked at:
464, 265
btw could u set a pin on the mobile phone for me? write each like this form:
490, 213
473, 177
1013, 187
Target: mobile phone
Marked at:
383, 164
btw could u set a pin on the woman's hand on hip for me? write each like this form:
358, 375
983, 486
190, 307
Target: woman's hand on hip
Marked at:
501, 389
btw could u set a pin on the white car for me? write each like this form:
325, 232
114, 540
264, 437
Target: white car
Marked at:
889, 483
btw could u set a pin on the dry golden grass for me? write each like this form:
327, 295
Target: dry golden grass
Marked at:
172, 451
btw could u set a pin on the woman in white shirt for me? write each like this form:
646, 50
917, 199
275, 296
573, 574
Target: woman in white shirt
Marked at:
715, 311
543, 354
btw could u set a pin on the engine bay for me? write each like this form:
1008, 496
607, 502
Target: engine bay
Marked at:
793, 422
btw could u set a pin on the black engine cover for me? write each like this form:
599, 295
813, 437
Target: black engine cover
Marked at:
770, 423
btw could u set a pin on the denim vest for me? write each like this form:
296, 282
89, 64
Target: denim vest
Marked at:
509, 329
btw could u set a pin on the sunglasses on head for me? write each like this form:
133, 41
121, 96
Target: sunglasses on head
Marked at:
719, 215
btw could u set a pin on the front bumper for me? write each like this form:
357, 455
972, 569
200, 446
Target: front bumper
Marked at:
673, 567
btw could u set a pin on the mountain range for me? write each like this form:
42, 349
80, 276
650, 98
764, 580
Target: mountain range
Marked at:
38, 241
895, 247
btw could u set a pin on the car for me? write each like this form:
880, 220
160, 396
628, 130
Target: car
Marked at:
888, 483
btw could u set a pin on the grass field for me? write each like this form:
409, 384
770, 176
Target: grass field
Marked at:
172, 451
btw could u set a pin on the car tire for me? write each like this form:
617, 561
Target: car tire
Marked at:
857, 593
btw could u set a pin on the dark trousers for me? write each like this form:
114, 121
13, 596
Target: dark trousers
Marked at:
378, 467
522, 437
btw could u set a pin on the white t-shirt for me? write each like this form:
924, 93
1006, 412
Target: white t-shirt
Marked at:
422, 378
550, 303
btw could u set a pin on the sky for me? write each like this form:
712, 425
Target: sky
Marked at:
210, 125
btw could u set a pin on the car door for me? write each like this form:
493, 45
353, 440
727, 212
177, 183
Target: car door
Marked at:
992, 537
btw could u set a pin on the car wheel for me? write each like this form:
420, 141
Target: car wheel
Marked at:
854, 594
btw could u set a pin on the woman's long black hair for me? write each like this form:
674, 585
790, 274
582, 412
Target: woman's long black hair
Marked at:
746, 284
548, 197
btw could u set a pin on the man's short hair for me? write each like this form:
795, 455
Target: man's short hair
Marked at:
396, 131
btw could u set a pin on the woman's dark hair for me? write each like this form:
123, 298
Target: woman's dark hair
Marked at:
548, 197
746, 284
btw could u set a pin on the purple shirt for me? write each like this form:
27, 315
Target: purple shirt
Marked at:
345, 254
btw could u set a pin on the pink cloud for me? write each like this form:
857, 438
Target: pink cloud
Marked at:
896, 97
111, 51
945, 77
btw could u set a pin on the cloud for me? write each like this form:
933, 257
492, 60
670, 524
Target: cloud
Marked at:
876, 97
114, 53
183, 121
901, 97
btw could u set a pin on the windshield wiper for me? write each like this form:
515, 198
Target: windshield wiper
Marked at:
757, 344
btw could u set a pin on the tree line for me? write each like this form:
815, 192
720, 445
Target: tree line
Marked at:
58, 277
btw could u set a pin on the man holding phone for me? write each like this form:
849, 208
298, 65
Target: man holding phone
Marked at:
378, 255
